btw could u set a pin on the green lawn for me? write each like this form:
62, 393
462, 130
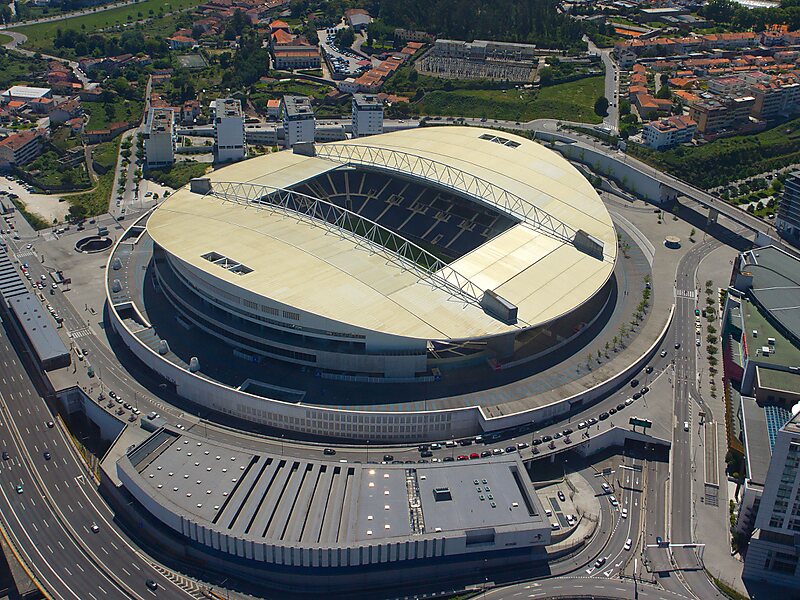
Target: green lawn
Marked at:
95, 202
41, 35
4, 39
573, 101
728, 159
105, 154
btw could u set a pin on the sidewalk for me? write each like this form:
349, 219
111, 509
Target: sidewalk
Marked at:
712, 524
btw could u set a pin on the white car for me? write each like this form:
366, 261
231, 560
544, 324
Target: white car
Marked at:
686, 425
613, 500
628, 544
555, 526
624, 513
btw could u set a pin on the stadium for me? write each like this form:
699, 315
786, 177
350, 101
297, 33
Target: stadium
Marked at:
404, 258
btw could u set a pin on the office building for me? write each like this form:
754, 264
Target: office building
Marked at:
298, 120
229, 138
159, 138
367, 115
787, 221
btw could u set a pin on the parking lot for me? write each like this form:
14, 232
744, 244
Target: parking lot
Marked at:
343, 62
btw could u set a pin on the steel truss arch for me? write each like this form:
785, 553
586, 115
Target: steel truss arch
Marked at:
366, 233
430, 170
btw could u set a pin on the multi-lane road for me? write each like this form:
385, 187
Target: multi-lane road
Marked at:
58, 522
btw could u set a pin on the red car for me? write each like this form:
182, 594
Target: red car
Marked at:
462, 457
474, 455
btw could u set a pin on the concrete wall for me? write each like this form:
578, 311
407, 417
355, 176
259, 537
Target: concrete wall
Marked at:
74, 399
628, 177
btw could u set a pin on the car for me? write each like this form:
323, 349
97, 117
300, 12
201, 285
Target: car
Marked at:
5, 455
620, 406
536, 441
94, 528
486, 453
465, 442
592, 421
555, 526
388, 457
435, 446
557, 435
629, 401
522, 445
329, 452
127, 406
637, 395
450, 444
603, 416
47, 455
677, 345
600, 562
497, 451
19, 488
613, 500
570, 520
462, 457
567, 431
54, 286
634, 383
426, 454
422, 447
510, 449
628, 544
474, 455
686, 425
29, 246
548, 512
606, 488
644, 390
546, 438
649, 369
43, 277
612, 410
697, 312
448, 459
697, 342
112, 393
50, 424
151, 585
561, 496
624, 513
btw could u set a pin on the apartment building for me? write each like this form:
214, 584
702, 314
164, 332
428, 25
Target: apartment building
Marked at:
21, 148
668, 132
367, 115
159, 138
725, 113
298, 120
229, 138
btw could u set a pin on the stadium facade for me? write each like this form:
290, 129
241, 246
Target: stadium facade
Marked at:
390, 259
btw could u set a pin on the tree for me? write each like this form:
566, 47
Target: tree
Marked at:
601, 106
345, 37
663, 93
546, 75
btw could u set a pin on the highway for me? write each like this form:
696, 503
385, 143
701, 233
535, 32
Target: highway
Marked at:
51, 520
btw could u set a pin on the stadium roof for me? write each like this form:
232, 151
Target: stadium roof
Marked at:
306, 267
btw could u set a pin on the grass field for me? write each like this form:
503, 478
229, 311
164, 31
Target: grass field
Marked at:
95, 201
18, 69
41, 35
179, 174
573, 101
4, 39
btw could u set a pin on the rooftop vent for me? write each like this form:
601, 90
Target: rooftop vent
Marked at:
442, 494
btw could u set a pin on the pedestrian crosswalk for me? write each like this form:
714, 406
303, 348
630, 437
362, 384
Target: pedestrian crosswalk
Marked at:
25, 253
82, 332
685, 294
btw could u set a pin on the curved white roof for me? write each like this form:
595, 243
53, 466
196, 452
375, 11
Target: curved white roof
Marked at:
304, 266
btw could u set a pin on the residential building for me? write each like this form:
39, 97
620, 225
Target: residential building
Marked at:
273, 109
298, 120
180, 42
291, 51
722, 114
21, 148
668, 132
190, 110
159, 138
787, 221
648, 106
229, 138
775, 99
367, 115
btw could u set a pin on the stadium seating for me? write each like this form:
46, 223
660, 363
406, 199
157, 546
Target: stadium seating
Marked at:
425, 215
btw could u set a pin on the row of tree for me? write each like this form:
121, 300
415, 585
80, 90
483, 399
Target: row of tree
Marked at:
744, 19
100, 46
